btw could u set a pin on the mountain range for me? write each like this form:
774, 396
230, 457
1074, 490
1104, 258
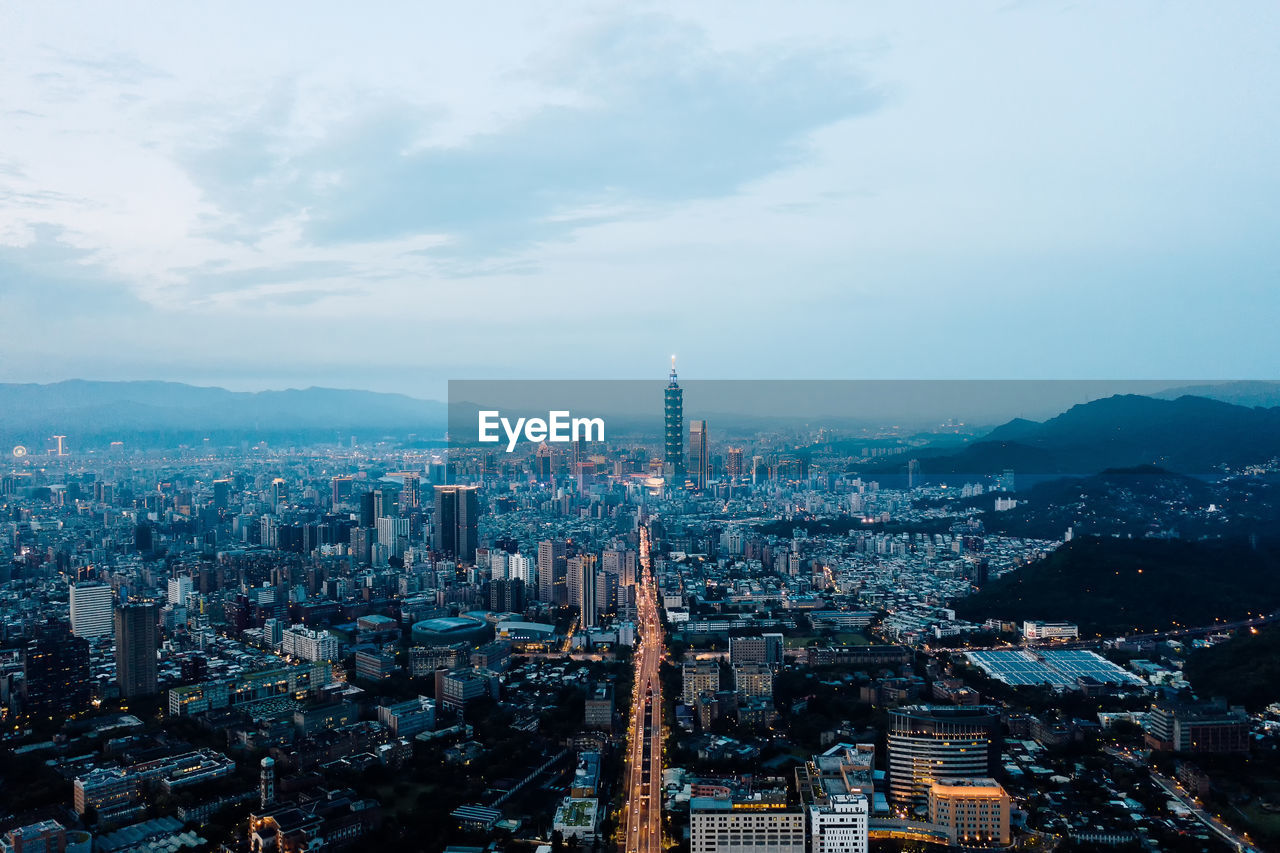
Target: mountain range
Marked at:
159, 413
1188, 434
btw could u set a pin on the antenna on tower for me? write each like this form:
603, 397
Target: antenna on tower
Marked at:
673, 367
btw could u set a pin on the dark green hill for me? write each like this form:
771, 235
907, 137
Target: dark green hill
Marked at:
1124, 586
1245, 670
1193, 435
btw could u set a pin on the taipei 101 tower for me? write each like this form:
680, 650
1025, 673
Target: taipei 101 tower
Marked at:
674, 416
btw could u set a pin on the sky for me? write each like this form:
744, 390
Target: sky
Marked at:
290, 194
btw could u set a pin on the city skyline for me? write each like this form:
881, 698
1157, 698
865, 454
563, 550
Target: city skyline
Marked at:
1008, 190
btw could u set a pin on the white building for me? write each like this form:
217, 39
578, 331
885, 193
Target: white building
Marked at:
1049, 631
179, 589
840, 826
520, 567
92, 608
721, 825
309, 645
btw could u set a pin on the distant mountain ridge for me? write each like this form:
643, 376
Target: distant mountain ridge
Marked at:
94, 411
1188, 434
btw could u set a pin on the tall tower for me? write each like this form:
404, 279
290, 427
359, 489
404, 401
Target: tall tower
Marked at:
136, 642
455, 522
673, 410
698, 459
267, 782
552, 569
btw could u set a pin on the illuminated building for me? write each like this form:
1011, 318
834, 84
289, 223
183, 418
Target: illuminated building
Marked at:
673, 419
973, 810
928, 742
722, 825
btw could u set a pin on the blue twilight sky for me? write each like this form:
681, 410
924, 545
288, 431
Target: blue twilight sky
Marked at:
263, 195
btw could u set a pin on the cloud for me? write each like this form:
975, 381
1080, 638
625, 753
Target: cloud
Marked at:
658, 117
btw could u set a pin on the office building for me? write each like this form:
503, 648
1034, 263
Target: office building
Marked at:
137, 639
1035, 631
304, 644
408, 718
753, 680
765, 649
582, 587
599, 708
673, 421
455, 522
764, 824
928, 742
699, 677
55, 668
91, 608
733, 469
179, 589
552, 571
1206, 727
699, 464
974, 811
249, 689
840, 825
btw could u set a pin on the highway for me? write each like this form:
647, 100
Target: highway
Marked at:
642, 812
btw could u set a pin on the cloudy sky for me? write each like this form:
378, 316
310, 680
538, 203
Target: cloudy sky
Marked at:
287, 194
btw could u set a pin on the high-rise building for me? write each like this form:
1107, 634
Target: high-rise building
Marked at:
411, 496
673, 419
136, 643
582, 587
91, 605
733, 463
221, 494
179, 589
455, 522
928, 742
506, 596
55, 669
698, 677
368, 509
698, 459
552, 567
520, 568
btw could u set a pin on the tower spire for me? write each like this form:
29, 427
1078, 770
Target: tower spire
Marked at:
673, 370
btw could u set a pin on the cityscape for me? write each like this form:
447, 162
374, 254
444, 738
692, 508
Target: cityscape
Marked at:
801, 640
570, 426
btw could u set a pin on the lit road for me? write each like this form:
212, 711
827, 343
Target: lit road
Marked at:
642, 813
1236, 840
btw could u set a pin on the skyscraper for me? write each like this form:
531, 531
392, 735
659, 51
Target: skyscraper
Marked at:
136, 643
55, 668
455, 522
91, 604
179, 589
551, 572
733, 464
582, 587
698, 454
673, 411
411, 496
929, 742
